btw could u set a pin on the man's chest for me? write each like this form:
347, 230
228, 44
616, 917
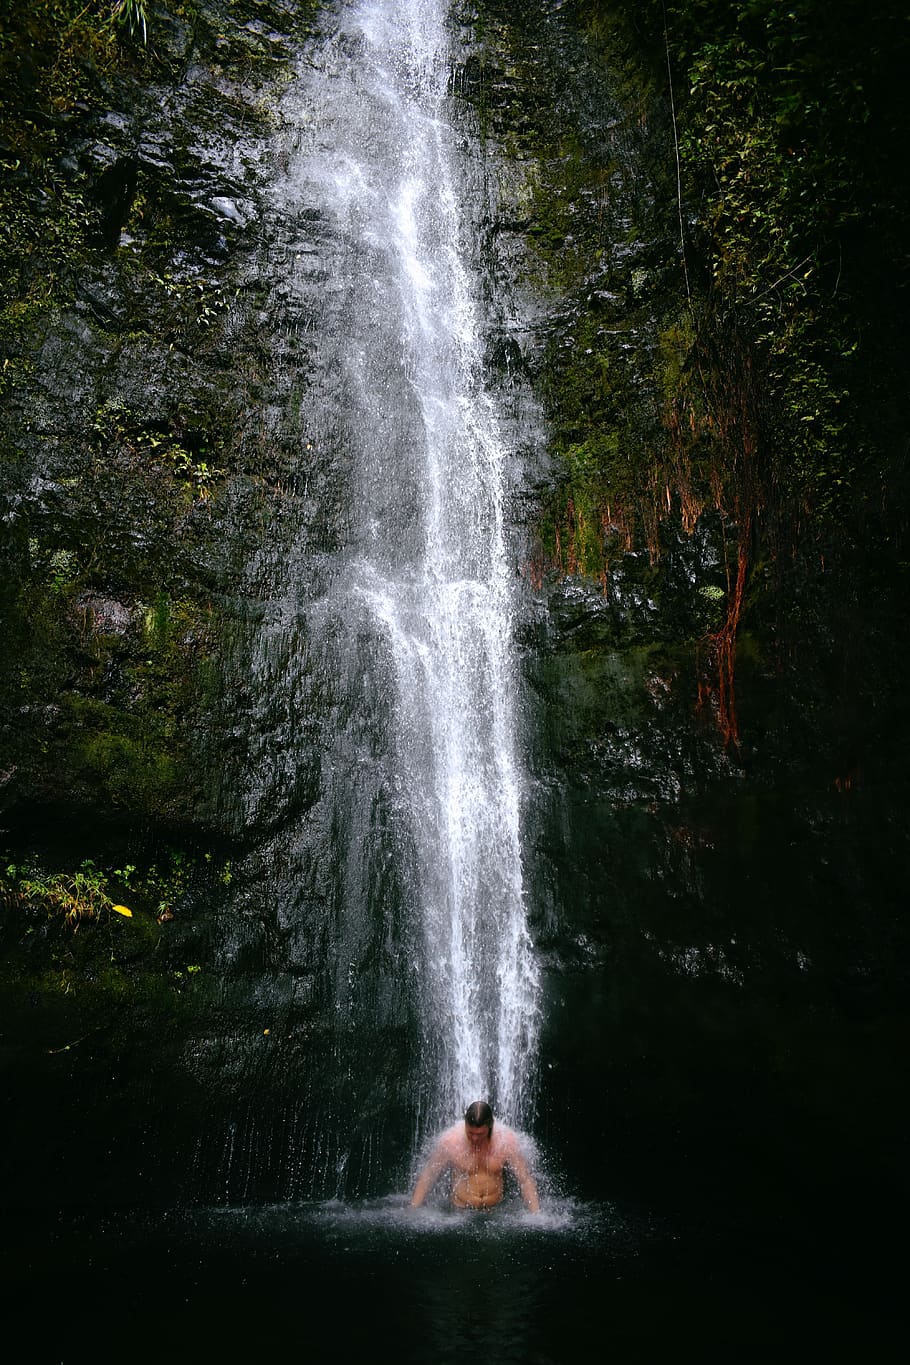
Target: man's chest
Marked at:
489, 1162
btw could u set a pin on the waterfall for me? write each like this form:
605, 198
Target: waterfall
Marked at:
429, 573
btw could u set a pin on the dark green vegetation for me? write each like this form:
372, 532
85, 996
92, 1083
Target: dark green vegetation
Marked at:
790, 134
771, 371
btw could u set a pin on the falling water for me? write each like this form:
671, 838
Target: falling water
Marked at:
430, 573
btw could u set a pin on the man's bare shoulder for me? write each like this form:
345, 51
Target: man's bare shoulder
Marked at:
451, 1138
505, 1138
511, 1144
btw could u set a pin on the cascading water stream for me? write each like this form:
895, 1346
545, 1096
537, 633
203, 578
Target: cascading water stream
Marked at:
430, 572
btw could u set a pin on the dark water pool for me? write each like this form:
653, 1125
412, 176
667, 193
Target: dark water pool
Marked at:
378, 1282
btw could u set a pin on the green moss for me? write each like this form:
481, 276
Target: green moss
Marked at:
64, 52
129, 758
734, 370
790, 147
105, 691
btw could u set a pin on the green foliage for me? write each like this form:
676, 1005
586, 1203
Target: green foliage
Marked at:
790, 136
779, 193
56, 56
794, 212
162, 885
41, 231
75, 896
163, 450
92, 892
73, 47
131, 15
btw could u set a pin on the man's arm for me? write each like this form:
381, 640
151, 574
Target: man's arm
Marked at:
429, 1175
525, 1179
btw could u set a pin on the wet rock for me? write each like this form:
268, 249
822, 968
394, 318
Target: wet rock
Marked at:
102, 615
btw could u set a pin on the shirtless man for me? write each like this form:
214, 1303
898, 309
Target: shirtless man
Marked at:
477, 1157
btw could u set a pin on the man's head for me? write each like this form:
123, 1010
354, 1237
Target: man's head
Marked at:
478, 1122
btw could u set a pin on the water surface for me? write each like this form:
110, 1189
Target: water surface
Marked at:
378, 1281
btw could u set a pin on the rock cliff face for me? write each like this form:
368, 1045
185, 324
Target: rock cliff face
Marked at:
714, 833
717, 866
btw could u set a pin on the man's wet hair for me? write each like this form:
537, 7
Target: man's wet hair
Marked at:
479, 1115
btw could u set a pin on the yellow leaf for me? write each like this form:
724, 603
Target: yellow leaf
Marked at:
123, 910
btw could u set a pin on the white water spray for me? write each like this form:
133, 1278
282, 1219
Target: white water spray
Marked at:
432, 570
